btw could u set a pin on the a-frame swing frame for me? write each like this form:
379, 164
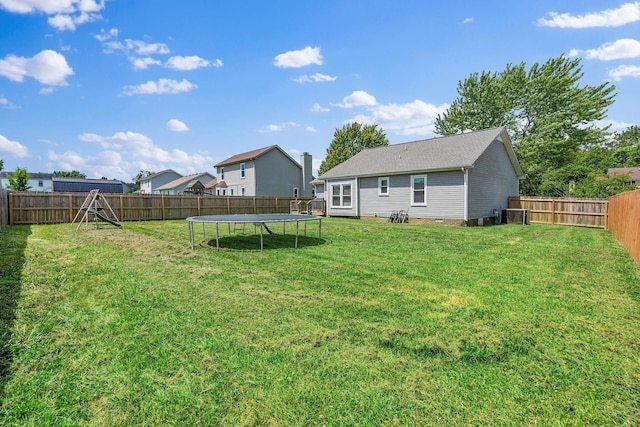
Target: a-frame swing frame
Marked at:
92, 205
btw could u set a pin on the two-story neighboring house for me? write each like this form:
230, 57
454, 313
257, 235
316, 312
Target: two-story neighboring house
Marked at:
151, 183
267, 171
39, 182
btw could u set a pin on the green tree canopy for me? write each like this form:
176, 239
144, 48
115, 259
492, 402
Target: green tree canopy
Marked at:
135, 186
19, 181
349, 141
72, 174
550, 117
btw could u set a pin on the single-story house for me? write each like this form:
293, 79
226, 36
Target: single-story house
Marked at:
267, 171
149, 184
634, 174
189, 184
459, 179
38, 181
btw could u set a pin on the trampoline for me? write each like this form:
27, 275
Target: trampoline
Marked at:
260, 220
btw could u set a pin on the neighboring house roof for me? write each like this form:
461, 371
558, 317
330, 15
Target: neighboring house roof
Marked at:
211, 184
160, 173
32, 175
61, 184
436, 154
252, 155
634, 173
185, 181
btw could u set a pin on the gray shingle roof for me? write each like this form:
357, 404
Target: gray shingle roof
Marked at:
443, 153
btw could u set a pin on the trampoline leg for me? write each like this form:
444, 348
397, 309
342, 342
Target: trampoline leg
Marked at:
191, 235
217, 238
261, 247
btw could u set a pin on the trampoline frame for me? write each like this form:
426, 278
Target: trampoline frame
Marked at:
256, 219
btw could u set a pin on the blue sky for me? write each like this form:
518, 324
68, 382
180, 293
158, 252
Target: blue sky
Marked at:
113, 87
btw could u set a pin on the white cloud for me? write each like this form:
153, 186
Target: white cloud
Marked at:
311, 129
278, 127
177, 126
126, 153
12, 148
624, 71
67, 13
413, 118
316, 78
188, 63
467, 20
143, 63
625, 14
5, 103
614, 125
138, 47
299, 58
46, 90
162, 86
358, 98
317, 108
107, 35
620, 49
69, 22
47, 67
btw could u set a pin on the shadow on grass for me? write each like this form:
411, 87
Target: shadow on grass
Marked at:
270, 242
13, 241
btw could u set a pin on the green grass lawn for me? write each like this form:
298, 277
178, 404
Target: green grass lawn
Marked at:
379, 324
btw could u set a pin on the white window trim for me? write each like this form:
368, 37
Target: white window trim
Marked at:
222, 174
413, 178
341, 205
380, 179
243, 191
296, 192
243, 173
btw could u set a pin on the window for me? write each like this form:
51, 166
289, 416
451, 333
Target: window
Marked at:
242, 191
419, 190
222, 174
383, 186
241, 170
295, 191
40, 183
341, 195
231, 190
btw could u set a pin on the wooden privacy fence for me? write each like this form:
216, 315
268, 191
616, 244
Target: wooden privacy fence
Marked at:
554, 210
55, 208
4, 208
624, 221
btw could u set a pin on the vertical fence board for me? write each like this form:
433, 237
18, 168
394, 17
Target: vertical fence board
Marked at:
4, 208
624, 221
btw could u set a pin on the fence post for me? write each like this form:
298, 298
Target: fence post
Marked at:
255, 207
553, 211
228, 206
121, 207
198, 205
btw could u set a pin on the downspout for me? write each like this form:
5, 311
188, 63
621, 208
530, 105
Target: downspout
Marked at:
465, 175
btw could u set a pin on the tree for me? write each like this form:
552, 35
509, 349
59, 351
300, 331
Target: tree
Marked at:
19, 181
72, 174
349, 141
138, 178
550, 118
1, 165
